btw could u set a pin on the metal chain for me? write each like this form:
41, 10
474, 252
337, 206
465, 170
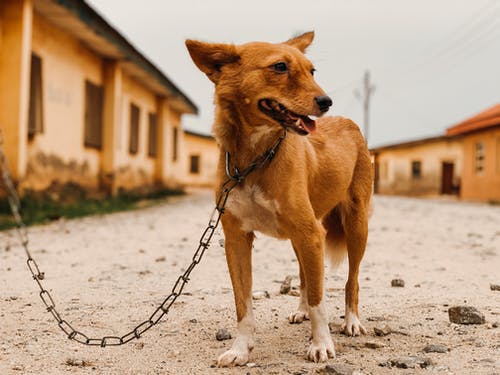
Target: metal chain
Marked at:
164, 307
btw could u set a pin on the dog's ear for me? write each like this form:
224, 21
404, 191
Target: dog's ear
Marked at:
211, 57
302, 41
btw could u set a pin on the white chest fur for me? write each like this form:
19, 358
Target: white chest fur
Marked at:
256, 211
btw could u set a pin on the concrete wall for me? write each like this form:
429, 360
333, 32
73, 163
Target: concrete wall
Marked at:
482, 186
58, 154
208, 152
395, 167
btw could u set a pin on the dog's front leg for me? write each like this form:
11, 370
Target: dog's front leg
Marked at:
308, 243
238, 246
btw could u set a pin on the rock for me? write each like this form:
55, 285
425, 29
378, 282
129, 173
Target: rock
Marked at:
260, 294
160, 259
222, 334
194, 320
286, 286
398, 283
294, 293
494, 324
337, 369
78, 362
495, 287
465, 315
411, 361
382, 330
374, 345
436, 348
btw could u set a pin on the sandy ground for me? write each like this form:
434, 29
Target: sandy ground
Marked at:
108, 273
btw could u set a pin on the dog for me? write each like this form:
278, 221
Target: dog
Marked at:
315, 192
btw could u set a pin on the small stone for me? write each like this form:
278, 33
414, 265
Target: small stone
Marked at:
251, 364
398, 283
495, 287
382, 330
337, 369
260, 294
160, 259
494, 324
222, 334
435, 348
374, 345
294, 293
193, 321
78, 362
465, 315
411, 361
286, 286
139, 345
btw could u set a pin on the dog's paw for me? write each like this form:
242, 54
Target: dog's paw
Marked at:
352, 326
320, 351
298, 317
233, 357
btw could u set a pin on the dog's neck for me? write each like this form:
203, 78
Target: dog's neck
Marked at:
243, 141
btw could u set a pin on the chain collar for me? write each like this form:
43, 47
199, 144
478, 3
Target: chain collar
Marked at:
259, 162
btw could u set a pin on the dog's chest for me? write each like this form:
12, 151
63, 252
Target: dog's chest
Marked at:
256, 211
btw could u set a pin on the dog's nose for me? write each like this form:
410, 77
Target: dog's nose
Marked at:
324, 102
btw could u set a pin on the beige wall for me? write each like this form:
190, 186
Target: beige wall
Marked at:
485, 185
208, 151
58, 153
15, 57
395, 167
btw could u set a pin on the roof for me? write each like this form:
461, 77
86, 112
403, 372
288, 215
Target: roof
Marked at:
481, 121
411, 143
80, 20
199, 135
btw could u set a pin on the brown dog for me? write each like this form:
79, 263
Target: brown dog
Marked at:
315, 192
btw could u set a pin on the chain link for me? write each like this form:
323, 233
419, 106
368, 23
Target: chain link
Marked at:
164, 307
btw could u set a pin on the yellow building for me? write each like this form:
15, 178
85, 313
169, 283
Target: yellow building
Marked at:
202, 157
480, 138
80, 104
429, 166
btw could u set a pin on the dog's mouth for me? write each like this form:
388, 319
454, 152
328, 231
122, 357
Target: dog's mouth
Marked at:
300, 124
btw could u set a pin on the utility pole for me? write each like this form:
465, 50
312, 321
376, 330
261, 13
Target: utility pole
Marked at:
364, 98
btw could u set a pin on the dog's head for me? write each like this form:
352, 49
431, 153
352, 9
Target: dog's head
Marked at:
270, 84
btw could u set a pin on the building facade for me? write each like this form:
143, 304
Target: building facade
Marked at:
202, 158
80, 104
480, 139
425, 167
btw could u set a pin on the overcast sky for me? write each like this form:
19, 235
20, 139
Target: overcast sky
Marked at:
433, 62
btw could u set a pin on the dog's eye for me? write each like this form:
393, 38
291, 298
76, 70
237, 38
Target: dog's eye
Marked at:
280, 67
312, 71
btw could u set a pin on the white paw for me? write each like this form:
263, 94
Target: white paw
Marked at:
233, 357
298, 317
320, 351
352, 326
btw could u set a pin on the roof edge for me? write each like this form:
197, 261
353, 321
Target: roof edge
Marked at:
91, 17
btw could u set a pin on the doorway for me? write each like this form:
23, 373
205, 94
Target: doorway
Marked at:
447, 170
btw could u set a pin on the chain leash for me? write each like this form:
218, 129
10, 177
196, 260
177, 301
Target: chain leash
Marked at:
163, 309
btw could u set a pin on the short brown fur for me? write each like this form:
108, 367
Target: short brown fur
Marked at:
316, 190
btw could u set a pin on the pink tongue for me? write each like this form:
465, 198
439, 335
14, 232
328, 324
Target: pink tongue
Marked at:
308, 124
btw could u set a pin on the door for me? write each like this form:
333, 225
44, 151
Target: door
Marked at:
447, 178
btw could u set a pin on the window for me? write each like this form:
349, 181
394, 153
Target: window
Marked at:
194, 164
479, 158
35, 116
94, 97
153, 135
133, 145
416, 169
175, 135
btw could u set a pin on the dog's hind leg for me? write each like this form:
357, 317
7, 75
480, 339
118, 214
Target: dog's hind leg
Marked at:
238, 247
356, 230
302, 312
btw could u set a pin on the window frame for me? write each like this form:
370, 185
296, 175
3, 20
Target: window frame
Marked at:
35, 110
94, 111
134, 128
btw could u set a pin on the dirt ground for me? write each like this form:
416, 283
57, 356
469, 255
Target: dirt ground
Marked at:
109, 273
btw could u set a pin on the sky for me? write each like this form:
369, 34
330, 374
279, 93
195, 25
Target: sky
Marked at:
433, 63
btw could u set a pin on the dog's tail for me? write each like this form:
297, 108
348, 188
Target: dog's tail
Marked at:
335, 244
